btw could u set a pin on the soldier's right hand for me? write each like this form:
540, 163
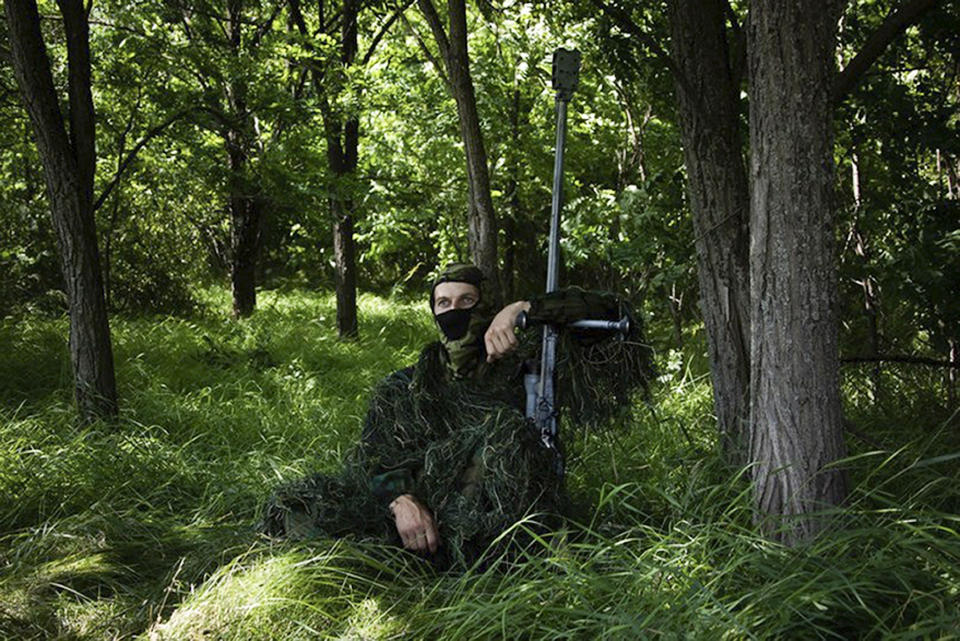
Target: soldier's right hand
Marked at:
415, 524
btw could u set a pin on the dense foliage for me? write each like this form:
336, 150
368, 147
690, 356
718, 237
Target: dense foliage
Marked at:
627, 221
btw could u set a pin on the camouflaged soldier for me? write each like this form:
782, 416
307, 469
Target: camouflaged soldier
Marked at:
447, 460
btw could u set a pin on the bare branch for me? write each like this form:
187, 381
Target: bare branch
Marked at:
893, 358
132, 154
426, 52
436, 25
893, 25
383, 30
625, 22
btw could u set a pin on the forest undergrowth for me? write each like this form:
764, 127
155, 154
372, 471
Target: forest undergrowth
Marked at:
144, 529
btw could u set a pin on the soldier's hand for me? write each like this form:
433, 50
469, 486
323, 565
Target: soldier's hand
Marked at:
500, 338
415, 524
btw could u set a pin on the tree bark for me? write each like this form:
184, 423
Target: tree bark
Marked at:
481, 217
796, 431
69, 162
341, 205
243, 201
344, 252
708, 101
342, 133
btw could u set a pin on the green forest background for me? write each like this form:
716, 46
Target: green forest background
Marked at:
141, 526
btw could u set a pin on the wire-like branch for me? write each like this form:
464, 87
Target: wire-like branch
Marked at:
99, 23
893, 25
893, 358
132, 154
439, 66
383, 31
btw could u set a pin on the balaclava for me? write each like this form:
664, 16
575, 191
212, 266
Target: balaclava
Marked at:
461, 330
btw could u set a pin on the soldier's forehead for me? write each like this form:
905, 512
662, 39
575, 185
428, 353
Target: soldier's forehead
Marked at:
454, 289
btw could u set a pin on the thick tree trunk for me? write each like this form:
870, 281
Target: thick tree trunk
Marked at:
795, 429
69, 163
481, 217
708, 100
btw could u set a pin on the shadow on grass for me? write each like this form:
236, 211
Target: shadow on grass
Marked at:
105, 575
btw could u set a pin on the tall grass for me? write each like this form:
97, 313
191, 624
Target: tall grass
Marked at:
143, 529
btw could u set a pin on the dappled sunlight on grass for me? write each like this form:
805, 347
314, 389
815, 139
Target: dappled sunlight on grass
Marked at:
292, 594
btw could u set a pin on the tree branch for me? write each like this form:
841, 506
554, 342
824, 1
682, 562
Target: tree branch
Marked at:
264, 28
132, 154
439, 66
436, 26
893, 358
893, 25
625, 22
383, 31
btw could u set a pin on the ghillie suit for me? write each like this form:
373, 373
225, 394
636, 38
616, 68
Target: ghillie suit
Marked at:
450, 430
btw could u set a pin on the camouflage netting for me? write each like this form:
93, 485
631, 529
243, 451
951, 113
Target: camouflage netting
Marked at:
462, 445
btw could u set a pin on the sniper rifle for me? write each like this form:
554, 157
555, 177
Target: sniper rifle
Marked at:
540, 386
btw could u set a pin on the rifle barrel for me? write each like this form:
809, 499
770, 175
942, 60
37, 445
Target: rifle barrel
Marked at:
556, 203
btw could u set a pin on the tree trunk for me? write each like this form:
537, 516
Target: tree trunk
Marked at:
244, 228
481, 217
795, 428
342, 133
708, 100
343, 137
346, 281
69, 164
243, 201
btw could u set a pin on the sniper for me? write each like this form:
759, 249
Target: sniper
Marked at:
449, 458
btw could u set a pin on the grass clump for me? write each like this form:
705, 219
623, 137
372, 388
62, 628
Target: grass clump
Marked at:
143, 529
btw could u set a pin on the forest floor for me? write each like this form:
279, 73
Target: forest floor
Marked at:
145, 528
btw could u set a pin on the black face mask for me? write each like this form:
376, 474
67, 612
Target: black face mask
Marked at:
455, 323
